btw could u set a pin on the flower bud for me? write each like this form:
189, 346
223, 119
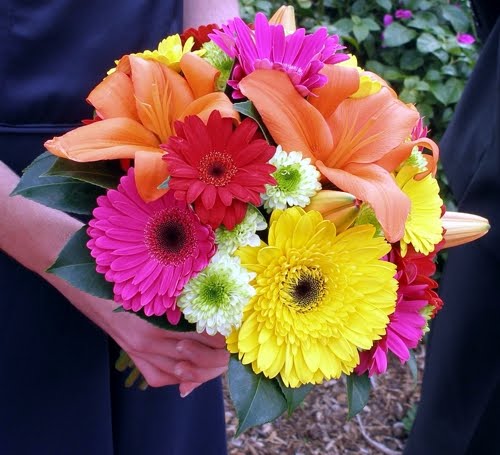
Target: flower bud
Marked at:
462, 228
336, 206
286, 17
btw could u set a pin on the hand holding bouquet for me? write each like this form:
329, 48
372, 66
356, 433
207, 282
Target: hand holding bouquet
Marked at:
255, 182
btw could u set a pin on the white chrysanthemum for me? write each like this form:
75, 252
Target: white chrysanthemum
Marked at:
243, 234
297, 180
215, 298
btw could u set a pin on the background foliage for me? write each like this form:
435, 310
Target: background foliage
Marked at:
419, 53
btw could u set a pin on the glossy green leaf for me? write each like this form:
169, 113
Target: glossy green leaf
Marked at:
385, 4
77, 267
247, 108
61, 193
397, 35
448, 93
360, 31
424, 21
456, 17
358, 393
427, 43
105, 174
411, 60
294, 395
257, 399
343, 26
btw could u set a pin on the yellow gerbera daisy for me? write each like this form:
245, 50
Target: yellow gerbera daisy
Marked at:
319, 298
367, 85
423, 227
170, 51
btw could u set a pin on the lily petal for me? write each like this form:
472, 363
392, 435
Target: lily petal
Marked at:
368, 128
400, 153
150, 171
292, 121
114, 97
161, 95
204, 106
201, 76
375, 185
108, 139
342, 82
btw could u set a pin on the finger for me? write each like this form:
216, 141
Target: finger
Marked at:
153, 376
190, 373
202, 355
215, 341
185, 388
158, 346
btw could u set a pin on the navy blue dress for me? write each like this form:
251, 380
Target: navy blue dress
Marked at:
59, 392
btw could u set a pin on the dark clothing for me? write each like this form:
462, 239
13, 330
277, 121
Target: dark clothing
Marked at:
459, 411
59, 391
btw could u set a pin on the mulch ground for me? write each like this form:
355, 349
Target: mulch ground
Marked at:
320, 425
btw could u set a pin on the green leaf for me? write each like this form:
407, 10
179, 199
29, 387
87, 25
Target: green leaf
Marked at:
358, 393
442, 55
375, 66
393, 74
412, 365
397, 35
61, 193
105, 174
408, 95
449, 70
427, 43
371, 24
343, 26
448, 93
424, 21
411, 82
164, 185
385, 4
247, 108
360, 31
456, 17
433, 75
294, 395
257, 399
411, 60
77, 267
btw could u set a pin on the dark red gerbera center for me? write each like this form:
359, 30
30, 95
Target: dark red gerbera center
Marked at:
217, 168
170, 236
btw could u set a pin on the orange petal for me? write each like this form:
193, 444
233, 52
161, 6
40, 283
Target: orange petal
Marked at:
201, 76
342, 82
400, 153
104, 140
285, 15
161, 95
292, 121
114, 97
204, 106
367, 128
374, 185
150, 171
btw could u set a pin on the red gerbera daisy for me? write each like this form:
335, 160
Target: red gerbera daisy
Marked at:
200, 35
218, 168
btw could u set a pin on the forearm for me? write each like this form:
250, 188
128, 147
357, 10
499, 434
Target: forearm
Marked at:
34, 235
199, 12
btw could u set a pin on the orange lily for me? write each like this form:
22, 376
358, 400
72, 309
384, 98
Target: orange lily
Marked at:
463, 228
354, 142
139, 104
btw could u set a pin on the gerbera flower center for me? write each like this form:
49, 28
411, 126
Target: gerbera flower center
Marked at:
214, 292
305, 289
170, 236
217, 168
288, 178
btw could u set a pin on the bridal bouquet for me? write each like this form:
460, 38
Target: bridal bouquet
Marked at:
254, 181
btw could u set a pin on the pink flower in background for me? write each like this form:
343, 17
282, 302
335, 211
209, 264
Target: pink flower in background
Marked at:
403, 14
148, 250
465, 38
388, 19
299, 55
419, 130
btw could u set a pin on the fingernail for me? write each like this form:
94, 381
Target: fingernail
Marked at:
185, 394
179, 347
178, 370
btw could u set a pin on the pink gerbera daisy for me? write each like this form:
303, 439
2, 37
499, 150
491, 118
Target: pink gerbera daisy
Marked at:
301, 56
148, 250
220, 170
407, 323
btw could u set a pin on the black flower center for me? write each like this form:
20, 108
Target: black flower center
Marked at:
217, 168
306, 289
